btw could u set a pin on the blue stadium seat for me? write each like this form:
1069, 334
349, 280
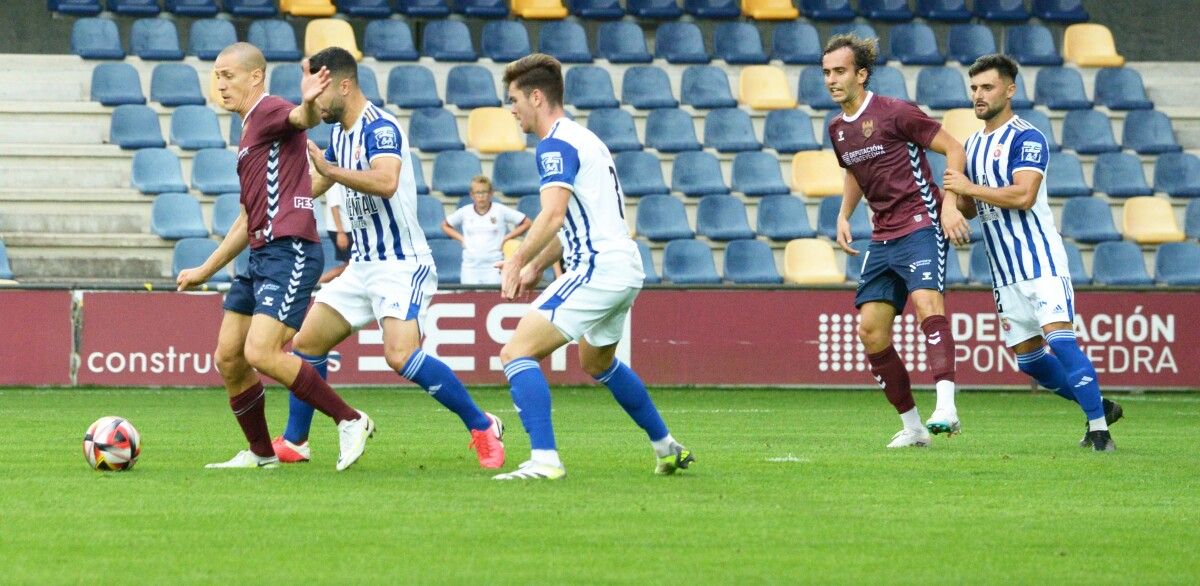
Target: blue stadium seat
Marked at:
389, 40
514, 174
241, 264
1031, 44
738, 43
885, 10
1064, 177
284, 82
942, 88
654, 9
464, 201
369, 85
191, 253
796, 43
193, 8
713, 9
750, 262
812, 89
729, 130
251, 8
275, 38
954, 272
697, 173
434, 129
1088, 219
647, 87
96, 38
622, 42
967, 42
722, 217
937, 165
214, 171
888, 81
979, 271
1042, 122
1061, 11
596, 9
75, 7
194, 128
175, 84
114, 84
863, 31
615, 129
209, 36
1177, 174
135, 126
5, 268
1121, 88
134, 7
447, 40
505, 40
1020, 99
431, 9
914, 44
705, 86
789, 131
827, 10
225, 211
670, 130
447, 256
419, 174
177, 215
412, 87
319, 134
564, 40
530, 205
943, 10
1120, 175
827, 213
1088, 132
783, 217
652, 277
430, 214
689, 262
453, 170
155, 39
680, 42
589, 87
1149, 132
757, 173
1001, 10
661, 217
365, 8
640, 174
157, 171
1178, 264
1079, 274
1060, 88
1191, 220
482, 8
1119, 263
235, 131
471, 86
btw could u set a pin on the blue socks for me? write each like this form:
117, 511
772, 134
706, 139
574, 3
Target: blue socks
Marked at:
440, 382
1047, 370
629, 391
531, 395
300, 414
1081, 375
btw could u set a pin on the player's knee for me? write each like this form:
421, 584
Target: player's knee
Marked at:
508, 354
230, 362
258, 356
873, 335
305, 344
397, 358
594, 368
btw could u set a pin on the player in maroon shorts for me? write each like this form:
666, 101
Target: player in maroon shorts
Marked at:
881, 142
264, 310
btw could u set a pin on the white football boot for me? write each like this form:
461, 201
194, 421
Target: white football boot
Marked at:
352, 439
910, 438
247, 459
530, 470
943, 421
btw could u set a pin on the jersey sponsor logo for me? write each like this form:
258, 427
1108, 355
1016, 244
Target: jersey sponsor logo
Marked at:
385, 137
1031, 152
868, 128
863, 154
301, 202
912, 268
552, 164
267, 287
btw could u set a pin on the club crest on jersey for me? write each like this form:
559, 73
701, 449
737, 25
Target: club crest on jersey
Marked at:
385, 137
868, 128
1031, 152
996, 153
493, 218
552, 164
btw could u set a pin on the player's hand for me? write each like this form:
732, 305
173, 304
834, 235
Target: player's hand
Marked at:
189, 278
343, 241
843, 236
956, 181
320, 165
510, 280
955, 226
312, 84
529, 278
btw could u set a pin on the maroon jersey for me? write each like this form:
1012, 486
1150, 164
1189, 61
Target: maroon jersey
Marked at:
883, 145
273, 171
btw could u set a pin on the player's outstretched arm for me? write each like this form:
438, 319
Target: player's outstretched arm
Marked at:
235, 241
306, 115
851, 194
954, 224
1021, 195
543, 230
380, 180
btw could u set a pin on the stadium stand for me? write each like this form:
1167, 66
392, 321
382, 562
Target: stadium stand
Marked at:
738, 43
705, 86
419, 174
1120, 175
1031, 44
1091, 45
750, 262
809, 261
565, 41
765, 87
885, 10
1177, 174
447, 256
1149, 132
207, 37
1001, 10
1079, 274
769, 9
942, 88
251, 8
1061, 11
689, 262
192, 252
412, 87
827, 10
482, 8
1020, 99
365, 8
434, 129
453, 170
369, 85
471, 86
1064, 177
284, 81
1088, 220
796, 43
275, 38
757, 174
430, 214
670, 130
447, 40
1177, 264
214, 171
1121, 88
1150, 220
640, 174
863, 31
322, 33
194, 128
504, 41
789, 131
647, 88
943, 10
967, 42
96, 38
225, 211
652, 277
390, 40
722, 217
654, 9
1119, 264
587, 87
157, 171
1060, 88
979, 271
729, 130
1088, 132
493, 130
530, 205
696, 174
1192, 220
596, 9
888, 81
854, 264
135, 126
193, 8
514, 174
177, 215
782, 218
712, 9
75, 7
615, 127
114, 84
812, 89
961, 123
827, 214
914, 43
1042, 122
621, 42
817, 174
539, 9
431, 9
308, 7
680, 42
155, 39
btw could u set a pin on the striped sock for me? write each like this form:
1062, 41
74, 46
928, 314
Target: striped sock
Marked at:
1081, 375
531, 395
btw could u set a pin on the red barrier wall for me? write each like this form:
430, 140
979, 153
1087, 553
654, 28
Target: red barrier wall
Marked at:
35, 337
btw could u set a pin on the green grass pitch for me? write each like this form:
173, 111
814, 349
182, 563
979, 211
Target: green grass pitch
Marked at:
788, 487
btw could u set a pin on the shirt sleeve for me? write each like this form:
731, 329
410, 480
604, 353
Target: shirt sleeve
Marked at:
915, 126
558, 163
271, 118
512, 217
455, 218
1028, 151
383, 139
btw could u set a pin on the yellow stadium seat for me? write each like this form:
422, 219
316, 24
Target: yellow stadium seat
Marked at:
307, 7
769, 9
539, 9
808, 261
493, 130
817, 174
1091, 45
764, 87
510, 247
1150, 220
329, 32
213, 95
961, 123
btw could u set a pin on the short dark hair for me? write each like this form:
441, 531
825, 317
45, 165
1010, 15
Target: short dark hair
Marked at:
338, 61
865, 51
537, 71
1005, 66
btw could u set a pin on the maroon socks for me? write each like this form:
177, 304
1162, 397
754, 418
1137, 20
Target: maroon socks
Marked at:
310, 388
892, 375
939, 347
249, 409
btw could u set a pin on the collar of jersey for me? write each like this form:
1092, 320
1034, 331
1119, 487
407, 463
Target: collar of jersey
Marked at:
358, 122
999, 128
861, 109
251, 110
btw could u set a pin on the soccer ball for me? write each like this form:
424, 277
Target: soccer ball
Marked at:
112, 444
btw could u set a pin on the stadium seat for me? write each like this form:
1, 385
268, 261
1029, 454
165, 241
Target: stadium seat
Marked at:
813, 91
615, 129
193, 8
968, 42
369, 85
114, 84
175, 84
284, 82
738, 43
680, 42
1177, 174
757, 173
817, 174
1042, 122
826, 141
192, 252
954, 272
209, 36
961, 123
275, 38
783, 217
863, 31
722, 217
134, 7
1031, 44
493, 130
622, 42
1064, 177
96, 38
419, 174
389, 40
447, 40
308, 8
5, 268
225, 211
1059, 88
765, 87
697, 173
1062, 11
504, 41
808, 261
661, 217
1088, 220
1001, 10
854, 264
75, 7
251, 8
430, 214
1178, 264
596, 9
1079, 274
412, 87
1090, 45
827, 10
729, 130
135, 126
652, 277
539, 9
640, 174
1119, 263
942, 88
943, 10
670, 130
914, 44
515, 174
827, 214
565, 41
1121, 88
937, 165
177, 215
1020, 99
646, 88
321, 33
194, 128
654, 9
471, 86
888, 81
489, 9
770, 10
1191, 222
1149, 132
885, 10
712, 9
589, 87
979, 271
789, 131
453, 170
1088, 132
1120, 175
447, 256
750, 262
796, 43
705, 86
157, 171
689, 262
431, 9
530, 205
214, 171
434, 129
235, 131
365, 8
155, 39
1150, 220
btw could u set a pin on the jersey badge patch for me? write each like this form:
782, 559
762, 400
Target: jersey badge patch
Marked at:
552, 164
1031, 152
868, 128
385, 137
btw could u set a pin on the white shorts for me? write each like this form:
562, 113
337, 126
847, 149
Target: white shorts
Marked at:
579, 308
368, 291
479, 274
1025, 306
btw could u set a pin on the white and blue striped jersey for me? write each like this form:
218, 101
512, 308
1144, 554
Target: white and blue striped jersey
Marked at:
383, 228
594, 235
1021, 244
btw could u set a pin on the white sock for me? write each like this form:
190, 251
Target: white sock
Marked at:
945, 396
1097, 424
662, 447
548, 457
912, 419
